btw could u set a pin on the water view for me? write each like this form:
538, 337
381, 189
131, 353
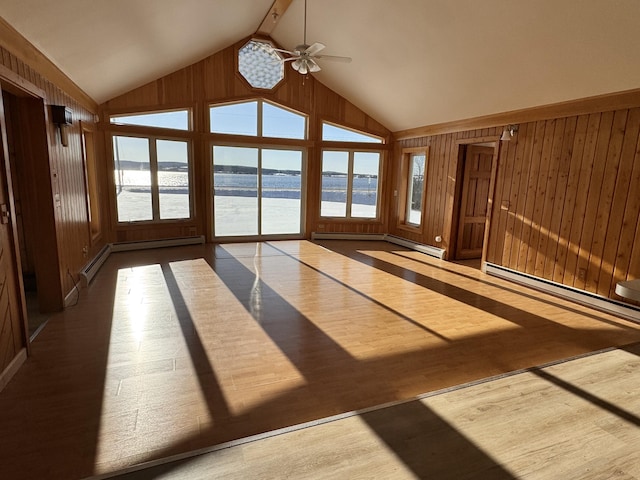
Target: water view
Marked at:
236, 199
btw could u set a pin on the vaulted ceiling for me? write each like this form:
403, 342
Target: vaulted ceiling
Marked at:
415, 62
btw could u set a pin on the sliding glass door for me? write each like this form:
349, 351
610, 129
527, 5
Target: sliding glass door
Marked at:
257, 191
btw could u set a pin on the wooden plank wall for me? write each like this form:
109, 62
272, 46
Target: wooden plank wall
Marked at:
566, 206
215, 79
567, 201
67, 174
441, 189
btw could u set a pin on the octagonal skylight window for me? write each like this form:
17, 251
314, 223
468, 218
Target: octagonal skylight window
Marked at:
261, 66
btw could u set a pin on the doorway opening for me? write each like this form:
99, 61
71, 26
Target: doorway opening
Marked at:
258, 192
475, 167
27, 147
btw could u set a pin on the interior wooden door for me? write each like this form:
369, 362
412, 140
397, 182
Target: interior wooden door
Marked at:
12, 329
474, 201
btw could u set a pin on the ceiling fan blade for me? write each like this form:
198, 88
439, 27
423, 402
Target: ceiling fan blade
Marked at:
334, 58
314, 49
313, 66
281, 50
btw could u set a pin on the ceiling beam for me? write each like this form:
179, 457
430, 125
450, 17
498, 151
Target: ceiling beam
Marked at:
273, 16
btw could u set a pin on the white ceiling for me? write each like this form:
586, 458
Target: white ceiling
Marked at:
415, 62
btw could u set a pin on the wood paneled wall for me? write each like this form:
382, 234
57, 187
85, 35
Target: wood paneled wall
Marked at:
66, 172
441, 185
567, 202
215, 79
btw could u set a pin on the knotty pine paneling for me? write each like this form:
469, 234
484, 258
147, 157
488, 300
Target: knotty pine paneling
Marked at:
67, 175
567, 205
215, 79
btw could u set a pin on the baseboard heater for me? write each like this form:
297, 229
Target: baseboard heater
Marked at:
579, 296
419, 247
91, 269
165, 242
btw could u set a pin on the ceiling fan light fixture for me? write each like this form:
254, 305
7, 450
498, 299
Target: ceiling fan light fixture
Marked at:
300, 65
303, 57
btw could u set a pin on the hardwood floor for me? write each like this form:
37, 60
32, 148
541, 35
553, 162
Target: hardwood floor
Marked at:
173, 350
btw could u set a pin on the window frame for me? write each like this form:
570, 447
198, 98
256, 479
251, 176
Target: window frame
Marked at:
240, 75
260, 121
153, 171
188, 110
349, 201
92, 182
406, 177
260, 147
378, 139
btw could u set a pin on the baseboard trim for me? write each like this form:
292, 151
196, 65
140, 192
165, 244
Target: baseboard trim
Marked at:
579, 296
12, 368
384, 237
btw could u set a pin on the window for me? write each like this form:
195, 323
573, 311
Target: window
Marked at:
278, 122
257, 118
415, 188
235, 119
152, 178
91, 182
334, 133
260, 64
176, 119
350, 184
257, 191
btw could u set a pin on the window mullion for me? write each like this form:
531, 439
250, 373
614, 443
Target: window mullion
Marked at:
259, 119
350, 183
259, 177
153, 167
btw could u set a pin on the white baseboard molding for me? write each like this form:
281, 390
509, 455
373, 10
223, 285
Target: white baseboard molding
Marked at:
12, 368
579, 296
165, 242
418, 247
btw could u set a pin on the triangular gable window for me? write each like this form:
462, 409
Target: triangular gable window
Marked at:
176, 119
333, 133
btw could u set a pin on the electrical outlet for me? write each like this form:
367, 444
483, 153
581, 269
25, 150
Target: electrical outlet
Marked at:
582, 273
85, 251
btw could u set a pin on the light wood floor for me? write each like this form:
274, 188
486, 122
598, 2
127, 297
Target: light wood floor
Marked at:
174, 350
574, 420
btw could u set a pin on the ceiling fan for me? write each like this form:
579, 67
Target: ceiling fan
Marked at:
304, 57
